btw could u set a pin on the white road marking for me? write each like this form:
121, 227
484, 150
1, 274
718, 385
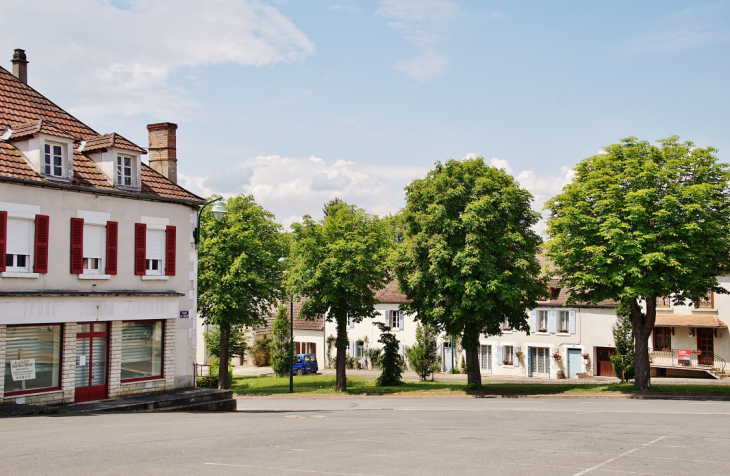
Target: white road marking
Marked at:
599, 465
273, 468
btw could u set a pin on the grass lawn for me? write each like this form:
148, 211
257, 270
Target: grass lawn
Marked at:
321, 384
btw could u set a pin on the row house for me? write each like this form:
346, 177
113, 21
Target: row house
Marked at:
97, 276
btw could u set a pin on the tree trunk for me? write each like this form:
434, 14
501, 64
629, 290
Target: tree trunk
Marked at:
470, 342
223, 368
643, 326
341, 342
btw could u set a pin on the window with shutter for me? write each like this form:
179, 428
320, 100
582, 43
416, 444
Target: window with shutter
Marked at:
140, 248
155, 256
94, 236
77, 245
18, 245
170, 250
112, 243
42, 223
3, 238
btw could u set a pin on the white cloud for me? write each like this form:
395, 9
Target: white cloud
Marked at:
294, 186
683, 30
423, 24
119, 57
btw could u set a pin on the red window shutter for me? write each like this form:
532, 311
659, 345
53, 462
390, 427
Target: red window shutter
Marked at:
298, 347
3, 238
170, 247
41, 244
140, 248
313, 348
77, 245
112, 239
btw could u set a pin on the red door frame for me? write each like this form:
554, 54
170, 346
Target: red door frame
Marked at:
94, 392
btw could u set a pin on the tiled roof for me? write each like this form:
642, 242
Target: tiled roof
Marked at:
299, 324
36, 126
390, 294
694, 320
559, 298
111, 140
27, 112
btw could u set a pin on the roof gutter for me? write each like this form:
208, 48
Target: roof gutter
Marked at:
99, 191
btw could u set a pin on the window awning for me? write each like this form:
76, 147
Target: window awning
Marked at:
671, 320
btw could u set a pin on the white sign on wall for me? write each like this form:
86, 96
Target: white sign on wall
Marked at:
22, 369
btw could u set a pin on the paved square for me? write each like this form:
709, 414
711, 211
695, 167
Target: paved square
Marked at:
370, 436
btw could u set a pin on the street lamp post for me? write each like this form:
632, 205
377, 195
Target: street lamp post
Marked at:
291, 337
219, 211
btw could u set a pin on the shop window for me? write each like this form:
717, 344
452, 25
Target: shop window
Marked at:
32, 358
141, 350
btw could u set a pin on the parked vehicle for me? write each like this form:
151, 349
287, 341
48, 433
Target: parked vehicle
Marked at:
305, 364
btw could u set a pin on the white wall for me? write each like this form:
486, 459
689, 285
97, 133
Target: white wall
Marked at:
61, 206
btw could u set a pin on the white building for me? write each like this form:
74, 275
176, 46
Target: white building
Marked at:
97, 277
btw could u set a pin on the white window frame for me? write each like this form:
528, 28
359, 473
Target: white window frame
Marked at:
536, 351
542, 313
395, 320
51, 155
566, 329
28, 268
100, 259
511, 354
119, 170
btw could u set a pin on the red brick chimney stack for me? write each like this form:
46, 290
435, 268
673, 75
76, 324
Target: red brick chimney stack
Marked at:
20, 65
163, 149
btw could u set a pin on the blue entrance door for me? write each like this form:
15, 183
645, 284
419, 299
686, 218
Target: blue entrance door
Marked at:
575, 363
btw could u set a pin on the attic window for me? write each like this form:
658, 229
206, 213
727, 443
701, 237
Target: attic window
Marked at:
125, 170
54, 159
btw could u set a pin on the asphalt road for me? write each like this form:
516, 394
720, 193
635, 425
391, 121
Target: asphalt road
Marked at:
355, 436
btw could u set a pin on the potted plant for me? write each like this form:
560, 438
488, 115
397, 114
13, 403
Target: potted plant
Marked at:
463, 365
542, 329
586, 356
557, 357
519, 354
508, 362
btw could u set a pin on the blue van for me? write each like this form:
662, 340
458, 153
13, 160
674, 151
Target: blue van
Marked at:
305, 364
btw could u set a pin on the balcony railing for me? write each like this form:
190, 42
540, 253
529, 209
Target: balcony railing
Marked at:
699, 360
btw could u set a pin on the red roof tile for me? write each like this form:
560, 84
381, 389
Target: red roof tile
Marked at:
111, 140
299, 324
34, 127
27, 112
695, 320
390, 294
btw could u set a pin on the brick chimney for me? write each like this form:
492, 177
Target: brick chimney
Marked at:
20, 65
163, 149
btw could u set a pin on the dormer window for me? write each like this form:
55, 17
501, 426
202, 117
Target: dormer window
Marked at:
125, 170
54, 159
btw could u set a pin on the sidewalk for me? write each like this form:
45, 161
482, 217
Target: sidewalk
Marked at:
488, 378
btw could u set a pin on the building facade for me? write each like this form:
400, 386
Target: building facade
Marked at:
97, 281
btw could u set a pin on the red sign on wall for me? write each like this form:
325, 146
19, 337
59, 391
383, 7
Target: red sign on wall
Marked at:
684, 355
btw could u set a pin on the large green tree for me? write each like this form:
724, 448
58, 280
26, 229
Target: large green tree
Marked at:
639, 222
339, 263
239, 278
468, 262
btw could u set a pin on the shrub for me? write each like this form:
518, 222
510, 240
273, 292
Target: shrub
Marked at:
261, 353
279, 346
391, 361
423, 357
623, 361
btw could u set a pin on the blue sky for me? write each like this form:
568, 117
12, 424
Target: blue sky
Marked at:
299, 101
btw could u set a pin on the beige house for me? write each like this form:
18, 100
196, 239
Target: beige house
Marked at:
97, 277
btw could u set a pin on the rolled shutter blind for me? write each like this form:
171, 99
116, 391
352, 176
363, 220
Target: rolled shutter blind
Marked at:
155, 244
18, 236
140, 247
170, 250
42, 223
3, 238
77, 245
112, 243
93, 241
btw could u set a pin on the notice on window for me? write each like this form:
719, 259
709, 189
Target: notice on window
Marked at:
22, 369
684, 355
